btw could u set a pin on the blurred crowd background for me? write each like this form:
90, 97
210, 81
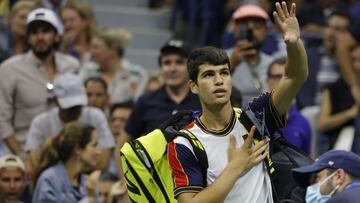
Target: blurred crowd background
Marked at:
78, 78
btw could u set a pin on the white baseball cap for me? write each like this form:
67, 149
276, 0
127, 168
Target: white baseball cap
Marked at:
69, 91
45, 15
10, 160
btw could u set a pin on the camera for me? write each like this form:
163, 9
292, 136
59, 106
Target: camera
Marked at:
246, 33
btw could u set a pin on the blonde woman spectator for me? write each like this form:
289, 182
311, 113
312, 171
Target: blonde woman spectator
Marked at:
64, 161
126, 81
13, 37
79, 26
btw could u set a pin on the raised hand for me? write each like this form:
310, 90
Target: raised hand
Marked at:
287, 22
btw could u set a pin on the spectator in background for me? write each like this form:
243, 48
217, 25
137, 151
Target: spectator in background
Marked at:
13, 38
71, 104
312, 17
155, 107
248, 62
106, 182
297, 130
324, 69
338, 109
126, 81
12, 180
119, 115
79, 27
26, 79
64, 161
97, 94
336, 178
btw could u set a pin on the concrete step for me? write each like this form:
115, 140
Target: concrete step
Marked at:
148, 38
127, 16
147, 58
135, 3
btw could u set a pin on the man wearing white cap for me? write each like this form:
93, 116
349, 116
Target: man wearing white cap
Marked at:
71, 104
25, 79
248, 61
12, 179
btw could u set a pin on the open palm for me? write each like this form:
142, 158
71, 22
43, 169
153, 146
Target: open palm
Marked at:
287, 22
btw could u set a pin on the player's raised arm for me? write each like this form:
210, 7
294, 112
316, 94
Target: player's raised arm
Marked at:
296, 69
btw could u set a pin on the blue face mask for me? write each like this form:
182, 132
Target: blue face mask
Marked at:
313, 194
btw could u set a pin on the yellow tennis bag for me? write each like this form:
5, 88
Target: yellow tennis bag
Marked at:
145, 162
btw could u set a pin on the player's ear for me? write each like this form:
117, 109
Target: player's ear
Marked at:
194, 87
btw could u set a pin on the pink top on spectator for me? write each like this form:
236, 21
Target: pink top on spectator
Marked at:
250, 10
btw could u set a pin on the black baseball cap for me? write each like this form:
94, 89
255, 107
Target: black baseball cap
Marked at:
176, 45
335, 159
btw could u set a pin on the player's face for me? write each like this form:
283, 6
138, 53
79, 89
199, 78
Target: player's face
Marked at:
213, 84
12, 184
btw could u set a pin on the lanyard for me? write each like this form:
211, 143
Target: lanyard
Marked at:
353, 184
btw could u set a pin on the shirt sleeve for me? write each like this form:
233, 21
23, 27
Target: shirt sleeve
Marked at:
45, 192
187, 174
134, 125
35, 136
264, 104
106, 139
7, 91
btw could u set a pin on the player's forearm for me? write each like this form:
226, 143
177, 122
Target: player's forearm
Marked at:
297, 63
218, 190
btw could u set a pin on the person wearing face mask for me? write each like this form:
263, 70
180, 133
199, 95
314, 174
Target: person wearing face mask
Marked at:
333, 178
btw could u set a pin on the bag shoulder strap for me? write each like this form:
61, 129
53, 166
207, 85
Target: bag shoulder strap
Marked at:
199, 150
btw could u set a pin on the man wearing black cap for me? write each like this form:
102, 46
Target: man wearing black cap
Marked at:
333, 178
26, 79
155, 107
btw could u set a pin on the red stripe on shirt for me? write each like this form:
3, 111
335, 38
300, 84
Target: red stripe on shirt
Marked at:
180, 177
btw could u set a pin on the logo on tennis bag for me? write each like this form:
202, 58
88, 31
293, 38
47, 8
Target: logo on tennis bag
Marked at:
145, 163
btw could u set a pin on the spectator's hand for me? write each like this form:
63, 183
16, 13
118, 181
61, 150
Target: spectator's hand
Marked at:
118, 191
91, 184
242, 50
248, 155
287, 22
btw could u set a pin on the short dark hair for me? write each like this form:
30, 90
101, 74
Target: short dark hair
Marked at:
343, 14
96, 79
122, 105
280, 61
205, 55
